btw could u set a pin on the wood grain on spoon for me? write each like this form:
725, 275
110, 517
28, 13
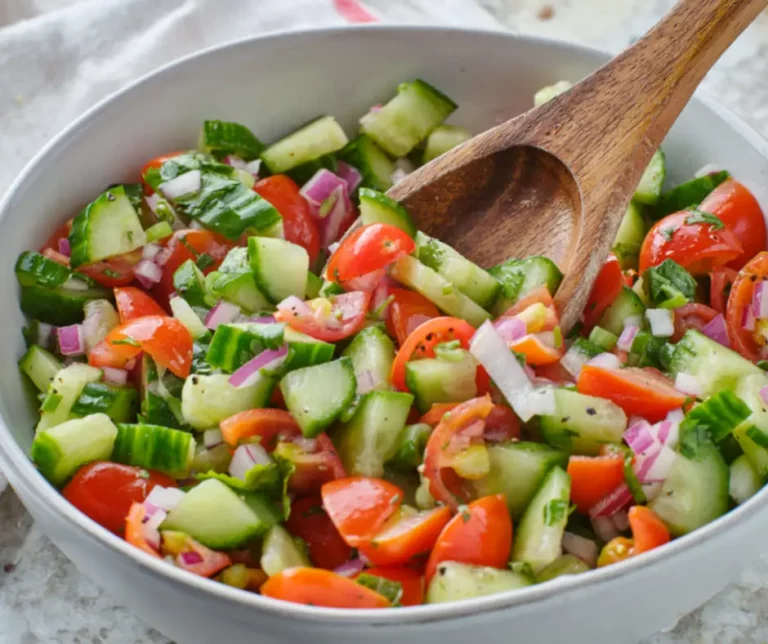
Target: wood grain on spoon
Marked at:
556, 181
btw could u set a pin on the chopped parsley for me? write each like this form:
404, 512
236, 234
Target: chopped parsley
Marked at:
699, 217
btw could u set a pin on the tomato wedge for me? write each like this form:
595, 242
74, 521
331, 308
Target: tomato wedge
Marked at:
115, 271
691, 316
480, 534
639, 392
648, 530
721, 280
359, 506
329, 320
411, 581
134, 303
310, 522
134, 530
268, 425
740, 299
536, 350
592, 477
318, 587
407, 311
606, 288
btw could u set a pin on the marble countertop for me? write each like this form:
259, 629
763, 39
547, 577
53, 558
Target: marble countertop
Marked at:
44, 598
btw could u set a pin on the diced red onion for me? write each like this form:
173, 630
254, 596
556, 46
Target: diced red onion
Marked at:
181, 186
621, 520
760, 300
64, 247
320, 187
627, 337
165, 498
366, 382
115, 376
716, 330
150, 251
606, 361
581, 547
375, 108
748, 319
191, 558
294, 306
573, 361
254, 167
245, 457
510, 329
604, 527
612, 502
71, 341
223, 313
249, 373
235, 162
367, 282
764, 394
350, 174
340, 210
350, 568
163, 255
349, 304
149, 271
151, 524
665, 432
212, 438
639, 437
688, 384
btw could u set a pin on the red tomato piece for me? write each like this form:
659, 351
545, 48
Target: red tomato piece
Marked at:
592, 477
648, 530
268, 425
691, 316
407, 311
309, 521
721, 280
606, 288
134, 303
62, 232
743, 340
115, 271
134, 532
329, 320
411, 581
318, 587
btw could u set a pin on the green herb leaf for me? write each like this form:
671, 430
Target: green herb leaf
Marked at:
669, 283
699, 217
127, 341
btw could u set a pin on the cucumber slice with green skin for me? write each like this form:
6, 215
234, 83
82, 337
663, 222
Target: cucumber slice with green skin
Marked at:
563, 565
119, 403
155, 448
372, 354
60, 451
369, 440
651, 183
690, 193
744, 480
415, 275
467, 276
392, 590
314, 284
539, 535
629, 237
436, 380
582, 424
517, 471
40, 366
234, 282
752, 437
279, 267
603, 339
221, 138
407, 119
206, 400
518, 277
455, 581
108, 319
320, 137
372, 162
410, 446
160, 404
212, 460
716, 367
107, 227
626, 305
719, 415
185, 314
377, 208
189, 282
219, 518
442, 139
280, 552
316, 396
66, 388
233, 345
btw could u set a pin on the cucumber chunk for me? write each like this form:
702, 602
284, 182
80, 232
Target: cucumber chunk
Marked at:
415, 275
563, 565
316, 396
279, 267
455, 581
279, 552
372, 162
189, 282
626, 305
649, 189
160, 397
372, 353
467, 276
155, 448
221, 138
107, 227
539, 535
234, 282
688, 194
629, 237
206, 400
719, 415
407, 119
119, 403
437, 380
518, 277
376, 207
442, 139
370, 438
410, 446
320, 137
744, 480
185, 314
65, 389
60, 451
517, 471
219, 518
603, 339
40, 366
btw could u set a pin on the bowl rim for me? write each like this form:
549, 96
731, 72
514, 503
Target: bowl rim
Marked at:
23, 475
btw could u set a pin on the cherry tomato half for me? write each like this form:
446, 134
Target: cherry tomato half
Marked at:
329, 320
309, 521
743, 340
406, 311
134, 303
606, 288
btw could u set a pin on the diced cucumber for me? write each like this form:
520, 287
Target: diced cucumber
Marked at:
517, 471
40, 366
279, 552
410, 445
207, 400
719, 414
303, 351
155, 448
442, 139
581, 424
436, 380
547, 93
752, 437
64, 390
321, 136
279, 267
716, 367
329, 289
748, 390
392, 590
744, 480
455, 581
411, 272
160, 402
688, 194
539, 535
234, 282
219, 518
370, 438
119, 403
189, 282
372, 162
216, 459
649, 189
626, 305
377, 208
316, 396
301, 174
104, 318
221, 138
629, 237
467, 276
159, 231
407, 119
314, 284
518, 277
563, 565
60, 451
107, 227
603, 339
185, 314
372, 354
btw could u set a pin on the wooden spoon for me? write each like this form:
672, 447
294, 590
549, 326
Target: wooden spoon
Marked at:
556, 181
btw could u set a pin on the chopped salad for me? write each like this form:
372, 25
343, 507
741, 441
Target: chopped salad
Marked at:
233, 385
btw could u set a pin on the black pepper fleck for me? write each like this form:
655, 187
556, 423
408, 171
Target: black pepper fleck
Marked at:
591, 411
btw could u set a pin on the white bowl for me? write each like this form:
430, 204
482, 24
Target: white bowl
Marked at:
273, 84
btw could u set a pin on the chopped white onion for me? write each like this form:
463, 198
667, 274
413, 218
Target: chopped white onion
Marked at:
604, 528
181, 186
245, 457
165, 498
254, 167
212, 438
573, 361
150, 251
115, 376
398, 175
688, 384
148, 270
627, 337
662, 322
581, 547
74, 283
621, 520
605, 360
